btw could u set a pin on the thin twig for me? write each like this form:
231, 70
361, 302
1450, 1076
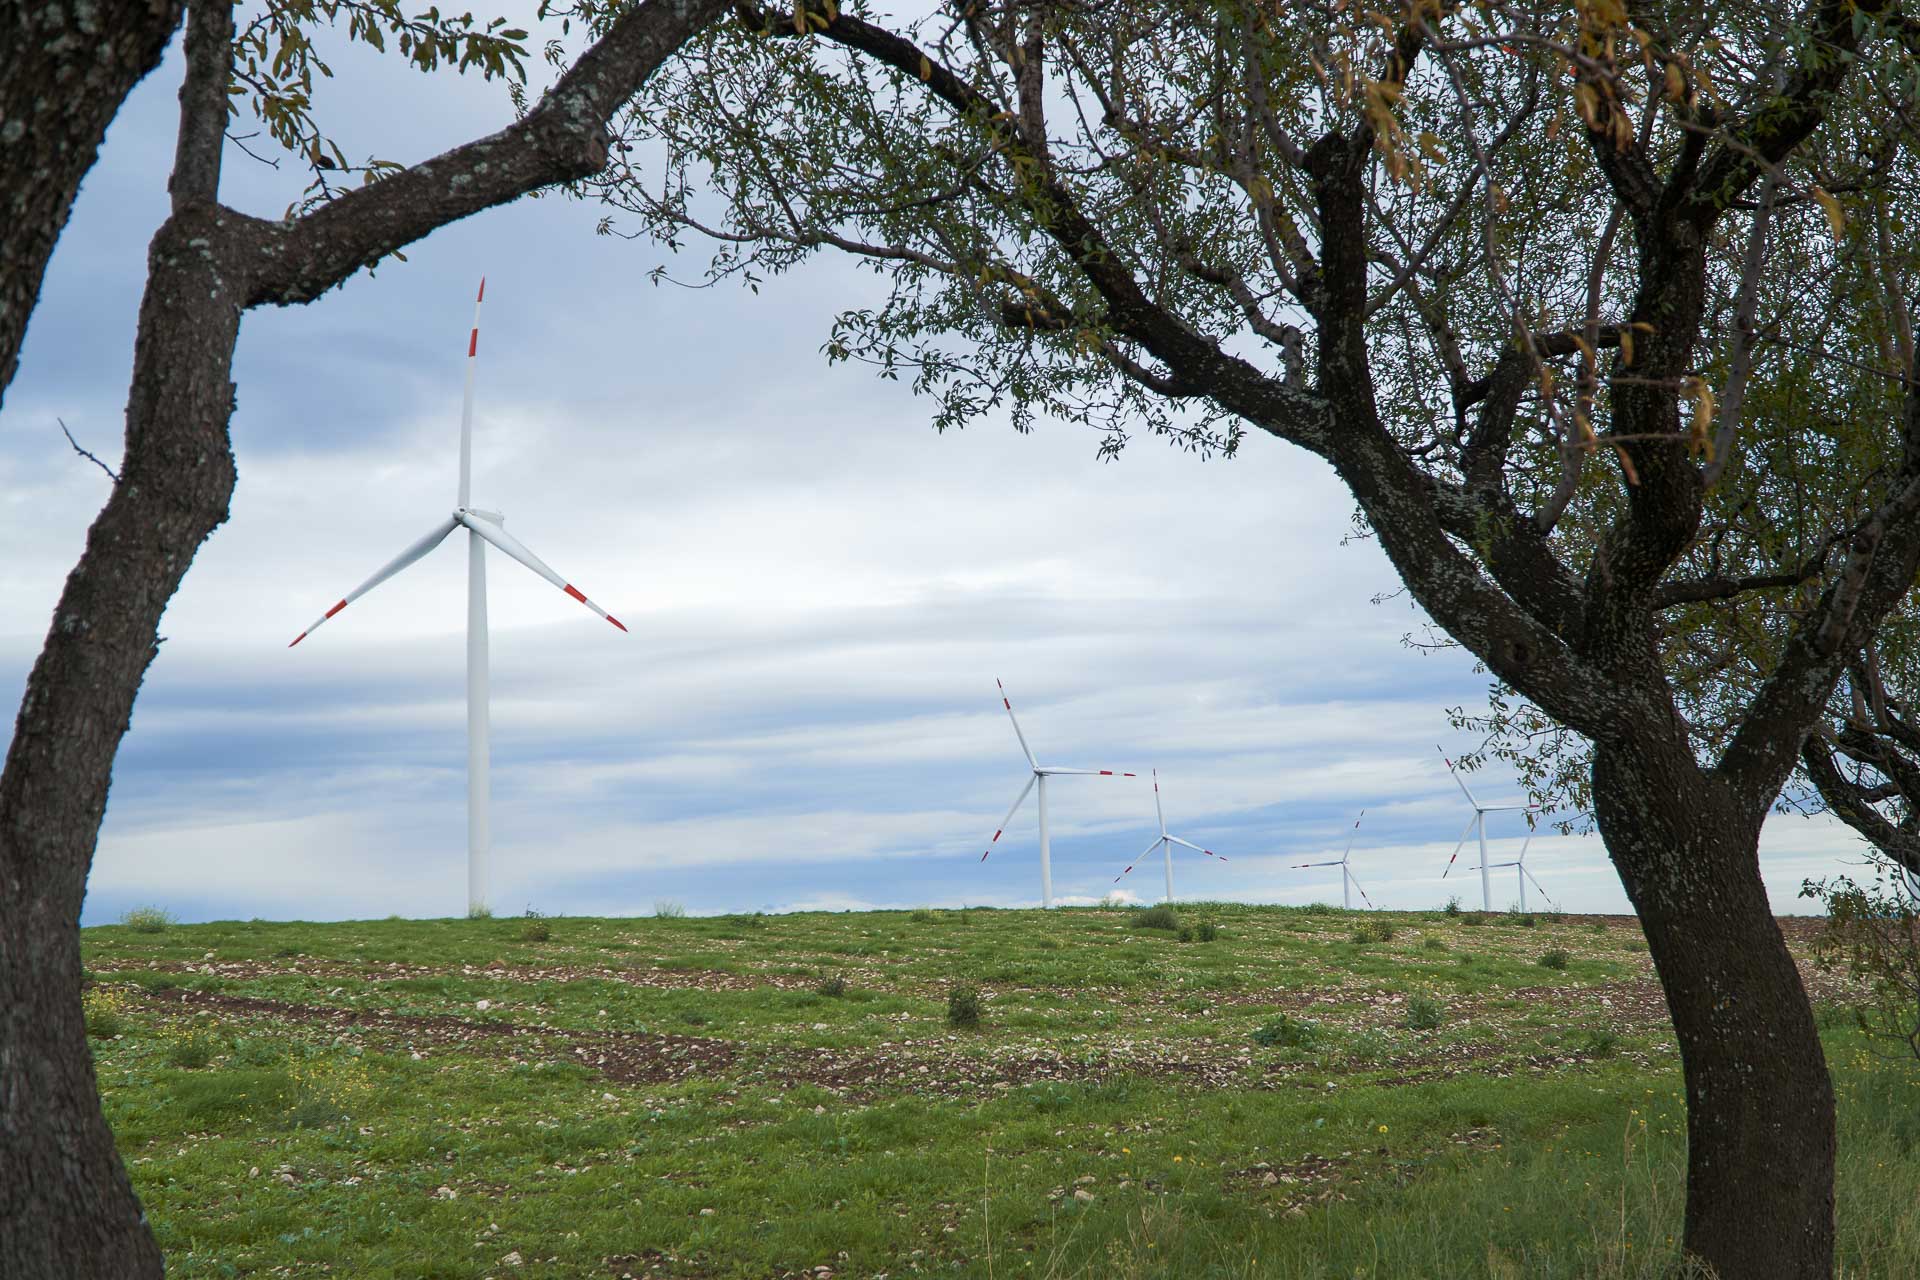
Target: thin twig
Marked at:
111, 473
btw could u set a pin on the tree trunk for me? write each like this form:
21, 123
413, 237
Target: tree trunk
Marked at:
68, 67
67, 1208
1760, 1109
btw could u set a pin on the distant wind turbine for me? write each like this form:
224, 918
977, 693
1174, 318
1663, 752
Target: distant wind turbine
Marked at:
1164, 842
1479, 822
1348, 881
1041, 772
1522, 875
482, 527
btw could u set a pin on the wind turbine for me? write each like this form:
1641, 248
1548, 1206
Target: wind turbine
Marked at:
1165, 841
1041, 772
482, 527
1479, 820
1522, 875
1348, 881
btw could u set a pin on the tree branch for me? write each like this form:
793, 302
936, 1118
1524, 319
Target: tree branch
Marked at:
203, 104
563, 138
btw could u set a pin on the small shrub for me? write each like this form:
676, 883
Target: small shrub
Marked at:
1475, 918
1205, 931
479, 913
963, 1006
1160, 917
835, 986
668, 909
536, 929
1434, 944
253, 1051
102, 1011
923, 915
1521, 919
1453, 905
694, 1018
1373, 931
287, 952
152, 983
1285, 1032
1424, 1013
146, 919
1599, 1043
191, 1052
1554, 959
1598, 928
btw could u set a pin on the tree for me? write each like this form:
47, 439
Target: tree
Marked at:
66, 1206
1522, 274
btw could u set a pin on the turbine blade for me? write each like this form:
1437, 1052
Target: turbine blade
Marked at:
1463, 839
499, 537
1007, 702
1196, 848
1089, 773
1351, 834
1355, 882
1158, 812
1457, 779
1302, 866
1022, 799
1536, 884
393, 566
1137, 860
466, 401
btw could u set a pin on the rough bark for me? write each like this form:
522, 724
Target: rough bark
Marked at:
67, 1208
68, 67
1760, 1105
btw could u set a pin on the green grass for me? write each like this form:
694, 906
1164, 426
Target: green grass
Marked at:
425, 1098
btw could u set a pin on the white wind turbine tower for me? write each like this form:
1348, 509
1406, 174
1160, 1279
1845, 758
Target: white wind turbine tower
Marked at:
1348, 881
1041, 772
1164, 841
482, 527
1479, 822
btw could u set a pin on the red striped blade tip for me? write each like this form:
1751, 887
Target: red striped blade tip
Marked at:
296, 640
483, 290
616, 622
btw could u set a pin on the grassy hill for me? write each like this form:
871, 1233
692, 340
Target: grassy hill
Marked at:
1307, 1092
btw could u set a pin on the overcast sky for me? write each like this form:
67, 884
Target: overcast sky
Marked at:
821, 592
